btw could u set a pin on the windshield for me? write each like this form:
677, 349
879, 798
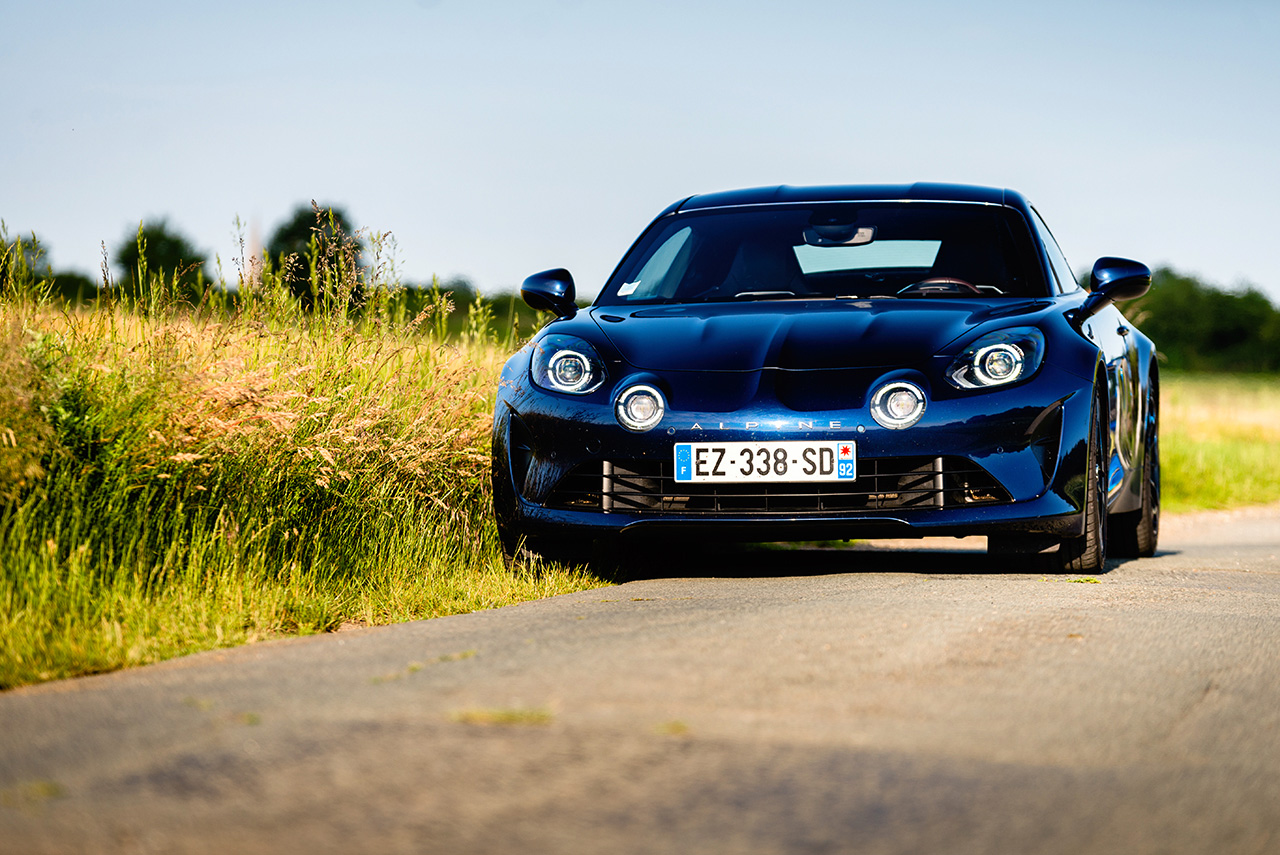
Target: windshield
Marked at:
850, 250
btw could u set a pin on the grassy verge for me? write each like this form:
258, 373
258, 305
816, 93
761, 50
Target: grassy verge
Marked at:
1219, 440
178, 478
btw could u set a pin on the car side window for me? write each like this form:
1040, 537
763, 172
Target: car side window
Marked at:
1057, 261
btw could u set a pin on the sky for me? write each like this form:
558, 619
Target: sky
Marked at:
494, 139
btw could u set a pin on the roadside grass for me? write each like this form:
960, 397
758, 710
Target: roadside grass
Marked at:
1219, 441
176, 478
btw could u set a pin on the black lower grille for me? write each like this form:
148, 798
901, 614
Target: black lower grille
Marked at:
637, 486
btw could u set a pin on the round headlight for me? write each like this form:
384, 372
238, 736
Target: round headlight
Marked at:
998, 363
566, 363
998, 358
639, 408
569, 371
897, 405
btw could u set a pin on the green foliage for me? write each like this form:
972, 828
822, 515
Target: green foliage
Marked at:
455, 308
1219, 440
313, 240
188, 477
159, 266
25, 433
73, 288
1200, 328
25, 270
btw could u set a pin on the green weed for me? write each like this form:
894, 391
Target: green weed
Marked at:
505, 717
31, 794
415, 667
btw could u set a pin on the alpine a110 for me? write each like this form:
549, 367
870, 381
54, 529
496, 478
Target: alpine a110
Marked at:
800, 363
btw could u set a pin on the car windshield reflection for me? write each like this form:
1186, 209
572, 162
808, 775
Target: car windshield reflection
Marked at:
831, 251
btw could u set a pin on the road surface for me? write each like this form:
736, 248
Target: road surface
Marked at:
899, 699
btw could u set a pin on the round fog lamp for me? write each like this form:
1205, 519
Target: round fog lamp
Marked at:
639, 408
998, 363
897, 405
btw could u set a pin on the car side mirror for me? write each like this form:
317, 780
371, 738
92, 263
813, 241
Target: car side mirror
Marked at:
1113, 280
550, 291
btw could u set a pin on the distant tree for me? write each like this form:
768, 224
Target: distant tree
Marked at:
1197, 327
73, 287
461, 290
156, 261
23, 262
312, 240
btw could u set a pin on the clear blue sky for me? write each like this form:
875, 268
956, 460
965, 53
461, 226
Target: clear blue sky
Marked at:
495, 139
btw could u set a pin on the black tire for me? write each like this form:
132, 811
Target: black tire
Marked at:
1135, 534
1088, 552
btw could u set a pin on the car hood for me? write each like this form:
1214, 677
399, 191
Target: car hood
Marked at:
795, 334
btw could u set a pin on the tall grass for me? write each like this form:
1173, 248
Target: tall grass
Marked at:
1219, 440
180, 472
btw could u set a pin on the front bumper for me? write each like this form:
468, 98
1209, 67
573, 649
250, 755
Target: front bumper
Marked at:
1029, 440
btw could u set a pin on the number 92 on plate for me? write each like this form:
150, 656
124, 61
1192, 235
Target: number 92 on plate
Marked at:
789, 460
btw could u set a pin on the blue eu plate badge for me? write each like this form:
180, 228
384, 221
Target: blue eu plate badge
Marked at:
684, 462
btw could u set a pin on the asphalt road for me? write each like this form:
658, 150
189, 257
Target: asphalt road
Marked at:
868, 701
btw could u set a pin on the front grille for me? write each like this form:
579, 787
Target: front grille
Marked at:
640, 487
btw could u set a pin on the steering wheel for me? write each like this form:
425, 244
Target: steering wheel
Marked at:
941, 285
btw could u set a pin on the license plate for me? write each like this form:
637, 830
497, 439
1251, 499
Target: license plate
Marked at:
792, 460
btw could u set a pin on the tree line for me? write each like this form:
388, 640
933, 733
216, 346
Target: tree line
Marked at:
1197, 327
317, 253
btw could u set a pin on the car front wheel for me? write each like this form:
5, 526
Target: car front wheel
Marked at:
1088, 552
1134, 535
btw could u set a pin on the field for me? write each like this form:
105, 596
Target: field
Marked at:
176, 478
1220, 440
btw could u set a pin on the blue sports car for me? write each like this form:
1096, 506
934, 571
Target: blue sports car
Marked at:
797, 363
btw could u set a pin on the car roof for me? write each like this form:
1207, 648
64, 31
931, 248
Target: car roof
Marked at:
918, 192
